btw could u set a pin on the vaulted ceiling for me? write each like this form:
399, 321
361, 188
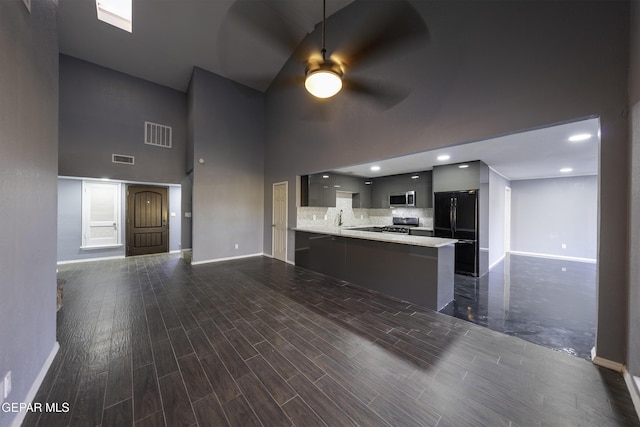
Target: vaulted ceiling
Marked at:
170, 37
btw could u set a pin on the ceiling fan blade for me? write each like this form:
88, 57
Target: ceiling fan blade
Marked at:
383, 94
386, 26
264, 18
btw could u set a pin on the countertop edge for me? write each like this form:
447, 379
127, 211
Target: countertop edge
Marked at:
431, 242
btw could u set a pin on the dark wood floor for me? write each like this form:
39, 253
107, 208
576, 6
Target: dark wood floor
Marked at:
154, 341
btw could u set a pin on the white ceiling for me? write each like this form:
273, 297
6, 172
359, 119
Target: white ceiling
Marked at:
170, 37
539, 153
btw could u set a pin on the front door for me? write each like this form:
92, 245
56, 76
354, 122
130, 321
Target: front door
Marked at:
147, 229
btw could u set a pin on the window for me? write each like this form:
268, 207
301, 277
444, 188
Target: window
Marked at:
100, 214
116, 12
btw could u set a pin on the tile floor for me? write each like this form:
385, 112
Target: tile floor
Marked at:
545, 301
154, 341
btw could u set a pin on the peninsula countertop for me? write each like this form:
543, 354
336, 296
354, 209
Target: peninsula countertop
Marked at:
345, 231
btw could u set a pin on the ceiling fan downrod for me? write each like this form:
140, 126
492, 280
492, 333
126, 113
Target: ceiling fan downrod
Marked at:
324, 79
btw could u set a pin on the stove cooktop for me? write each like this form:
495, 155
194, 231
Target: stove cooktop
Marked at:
396, 229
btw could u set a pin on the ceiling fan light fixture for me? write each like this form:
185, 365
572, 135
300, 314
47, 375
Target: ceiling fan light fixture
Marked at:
323, 80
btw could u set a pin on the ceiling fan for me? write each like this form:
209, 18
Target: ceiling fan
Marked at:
385, 27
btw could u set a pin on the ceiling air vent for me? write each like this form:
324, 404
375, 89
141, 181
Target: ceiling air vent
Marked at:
125, 160
158, 135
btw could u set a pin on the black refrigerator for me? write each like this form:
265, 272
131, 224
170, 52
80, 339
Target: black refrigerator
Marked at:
455, 216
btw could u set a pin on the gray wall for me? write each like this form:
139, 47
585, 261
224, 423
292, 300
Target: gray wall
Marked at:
228, 129
633, 351
548, 212
497, 185
70, 222
487, 70
102, 112
28, 170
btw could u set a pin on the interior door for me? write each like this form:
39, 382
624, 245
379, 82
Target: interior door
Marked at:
147, 228
279, 226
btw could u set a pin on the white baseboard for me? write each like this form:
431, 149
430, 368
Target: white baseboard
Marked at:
227, 258
106, 258
606, 363
31, 394
566, 258
633, 384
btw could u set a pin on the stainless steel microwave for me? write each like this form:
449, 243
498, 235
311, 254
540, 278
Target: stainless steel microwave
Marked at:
407, 199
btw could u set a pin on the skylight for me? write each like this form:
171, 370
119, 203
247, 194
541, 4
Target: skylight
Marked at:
116, 12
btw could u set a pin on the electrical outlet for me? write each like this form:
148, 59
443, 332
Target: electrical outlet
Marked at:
7, 384
236, 246
564, 246
564, 268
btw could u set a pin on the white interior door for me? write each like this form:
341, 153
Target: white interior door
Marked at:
279, 225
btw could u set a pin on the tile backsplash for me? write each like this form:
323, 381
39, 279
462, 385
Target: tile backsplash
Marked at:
327, 217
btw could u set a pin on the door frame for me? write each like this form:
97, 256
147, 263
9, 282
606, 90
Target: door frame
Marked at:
286, 218
129, 227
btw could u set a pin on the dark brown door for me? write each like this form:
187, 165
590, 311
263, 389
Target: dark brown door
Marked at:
147, 228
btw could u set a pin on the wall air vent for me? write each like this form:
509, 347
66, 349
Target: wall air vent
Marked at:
125, 160
158, 135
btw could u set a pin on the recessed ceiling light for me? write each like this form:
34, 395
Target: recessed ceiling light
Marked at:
367, 183
463, 166
580, 137
444, 157
375, 168
566, 170
415, 177
325, 176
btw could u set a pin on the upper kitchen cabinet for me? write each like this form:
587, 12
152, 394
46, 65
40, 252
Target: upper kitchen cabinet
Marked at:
322, 188
459, 177
385, 186
322, 192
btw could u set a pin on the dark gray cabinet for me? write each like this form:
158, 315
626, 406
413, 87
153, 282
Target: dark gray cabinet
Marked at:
367, 193
322, 192
322, 188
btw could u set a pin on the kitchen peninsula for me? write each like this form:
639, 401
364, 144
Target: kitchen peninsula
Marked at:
416, 269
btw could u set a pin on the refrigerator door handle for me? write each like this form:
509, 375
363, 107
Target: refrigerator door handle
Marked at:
454, 223
451, 217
